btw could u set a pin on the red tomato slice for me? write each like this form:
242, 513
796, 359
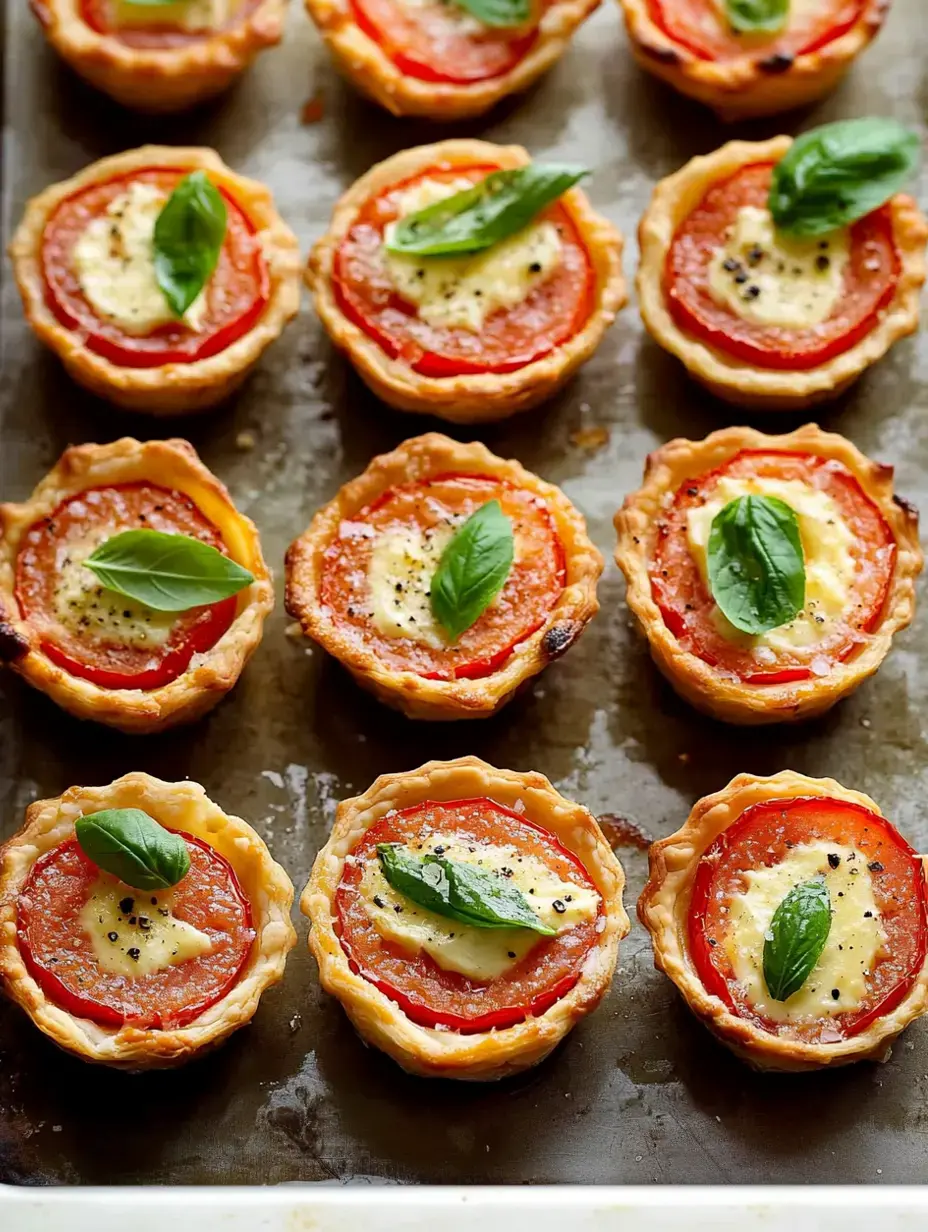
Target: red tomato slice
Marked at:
60, 957
511, 337
869, 282
534, 584
101, 513
428, 994
687, 606
698, 26
237, 292
763, 837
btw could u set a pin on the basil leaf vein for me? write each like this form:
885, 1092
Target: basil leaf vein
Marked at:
756, 564
796, 937
498, 206
188, 238
499, 13
169, 573
133, 847
757, 16
833, 175
473, 569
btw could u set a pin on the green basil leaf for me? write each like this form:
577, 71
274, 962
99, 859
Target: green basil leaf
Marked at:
479, 217
169, 573
756, 564
473, 569
835, 174
458, 891
500, 13
188, 239
757, 16
796, 937
133, 847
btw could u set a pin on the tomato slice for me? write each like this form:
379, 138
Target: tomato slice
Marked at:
237, 293
698, 26
45, 562
552, 313
158, 35
428, 994
688, 608
59, 954
870, 282
762, 837
533, 587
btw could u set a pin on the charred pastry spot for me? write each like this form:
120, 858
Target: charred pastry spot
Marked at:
910, 511
779, 62
12, 643
663, 54
560, 637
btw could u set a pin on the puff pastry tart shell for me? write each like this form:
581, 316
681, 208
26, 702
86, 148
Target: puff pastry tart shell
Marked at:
379, 1019
461, 396
175, 386
174, 468
155, 78
760, 82
664, 908
552, 596
183, 807
678, 471
725, 373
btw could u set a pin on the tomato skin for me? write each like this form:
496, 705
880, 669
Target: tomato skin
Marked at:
697, 26
766, 831
870, 283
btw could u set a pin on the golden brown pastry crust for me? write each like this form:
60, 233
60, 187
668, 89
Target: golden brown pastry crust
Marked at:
486, 396
417, 697
664, 906
380, 1021
171, 389
181, 806
755, 84
365, 63
164, 79
730, 699
173, 464
737, 380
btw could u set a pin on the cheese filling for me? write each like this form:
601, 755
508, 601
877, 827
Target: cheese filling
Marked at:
134, 933
826, 543
452, 14
181, 14
115, 264
769, 278
838, 982
478, 953
399, 579
462, 291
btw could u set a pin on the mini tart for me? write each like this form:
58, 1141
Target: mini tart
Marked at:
145, 671
719, 199
364, 596
715, 884
176, 366
862, 558
688, 44
122, 1002
520, 353
436, 60
431, 1018
165, 60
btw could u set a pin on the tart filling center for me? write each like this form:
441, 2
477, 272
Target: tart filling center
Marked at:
703, 27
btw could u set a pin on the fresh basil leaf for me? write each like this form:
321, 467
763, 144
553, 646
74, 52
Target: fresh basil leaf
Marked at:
499, 13
169, 573
473, 569
835, 174
188, 238
756, 565
476, 218
133, 847
796, 937
757, 16
458, 891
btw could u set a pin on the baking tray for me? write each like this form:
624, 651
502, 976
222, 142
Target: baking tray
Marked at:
639, 1093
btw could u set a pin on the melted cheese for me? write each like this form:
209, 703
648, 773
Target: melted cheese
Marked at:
462, 291
399, 579
769, 278
478, 953
452, 15
182, 14
826, 543
114, 263
143, 938
856, 938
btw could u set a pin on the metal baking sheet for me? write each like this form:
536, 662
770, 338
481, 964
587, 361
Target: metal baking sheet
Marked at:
639, 1093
